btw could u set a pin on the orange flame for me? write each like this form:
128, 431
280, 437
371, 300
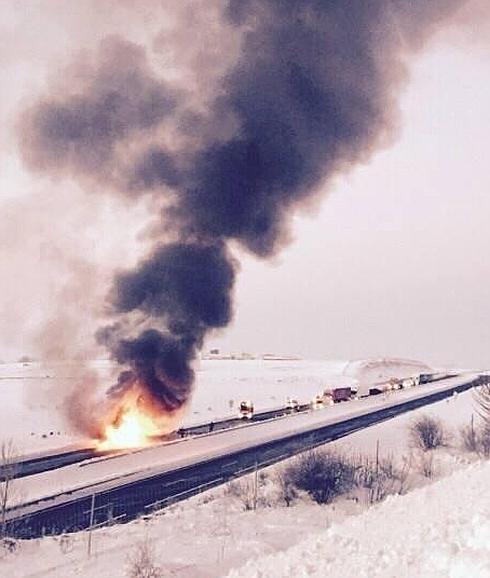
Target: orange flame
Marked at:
131, 429
135, 420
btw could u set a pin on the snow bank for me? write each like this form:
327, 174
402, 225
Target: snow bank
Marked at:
441, 530
382, 369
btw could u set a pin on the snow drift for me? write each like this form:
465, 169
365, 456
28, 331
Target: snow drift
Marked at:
367, 371
441, 530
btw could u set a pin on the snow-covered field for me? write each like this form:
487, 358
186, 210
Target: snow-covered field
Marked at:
31, 396
440, 528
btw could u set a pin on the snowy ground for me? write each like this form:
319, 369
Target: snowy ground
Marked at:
440, 528
441, 531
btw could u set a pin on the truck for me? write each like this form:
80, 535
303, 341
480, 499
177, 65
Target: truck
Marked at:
317, 401
337, 394
246, 409
396, 383
292, 404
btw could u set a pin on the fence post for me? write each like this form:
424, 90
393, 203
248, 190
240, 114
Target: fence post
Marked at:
256, 484
89, 544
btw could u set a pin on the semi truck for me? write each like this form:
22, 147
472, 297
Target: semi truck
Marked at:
337, 394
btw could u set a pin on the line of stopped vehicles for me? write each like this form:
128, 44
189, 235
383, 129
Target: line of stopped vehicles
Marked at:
333, 395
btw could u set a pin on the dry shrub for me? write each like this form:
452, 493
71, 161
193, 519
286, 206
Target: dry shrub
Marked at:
66, 543
8, 470
476, 439
287, 489
426, 464
8, 546
482, 395
427, 433
485, 440
483, 401
470, 438
324, 475
251, 491
244, 491
382, 477
142, 563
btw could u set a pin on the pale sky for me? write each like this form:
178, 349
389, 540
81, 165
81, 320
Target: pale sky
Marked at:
396, 261
392, 263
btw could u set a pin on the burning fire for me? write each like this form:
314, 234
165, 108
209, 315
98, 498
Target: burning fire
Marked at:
131, 429
134, 420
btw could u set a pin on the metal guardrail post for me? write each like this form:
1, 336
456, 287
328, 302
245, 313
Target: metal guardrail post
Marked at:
90, 528
256, 483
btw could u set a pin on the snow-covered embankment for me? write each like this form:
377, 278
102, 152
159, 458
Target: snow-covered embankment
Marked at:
440, 530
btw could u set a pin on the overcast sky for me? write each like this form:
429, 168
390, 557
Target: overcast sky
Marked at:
393, 262
396, 261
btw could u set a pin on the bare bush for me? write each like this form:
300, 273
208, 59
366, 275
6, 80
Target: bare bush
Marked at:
142, 563
66, 543
287, 489
382, 477
482, 395
404, 472
485, 440
483, 401
426, 464
323, 475
234, 488
245, 491
8, 546
427, 433
8, 470
478, 440
470, 438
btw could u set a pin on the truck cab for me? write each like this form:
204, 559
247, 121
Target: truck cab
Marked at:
246, 409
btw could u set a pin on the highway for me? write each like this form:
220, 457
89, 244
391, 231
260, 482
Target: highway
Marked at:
37, 463
127, 485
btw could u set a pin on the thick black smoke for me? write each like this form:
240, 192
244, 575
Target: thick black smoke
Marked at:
186, 288
312, 93
188, 284
119, 100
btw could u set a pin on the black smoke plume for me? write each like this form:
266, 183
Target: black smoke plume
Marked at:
313, 92
115, 99
187, 288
